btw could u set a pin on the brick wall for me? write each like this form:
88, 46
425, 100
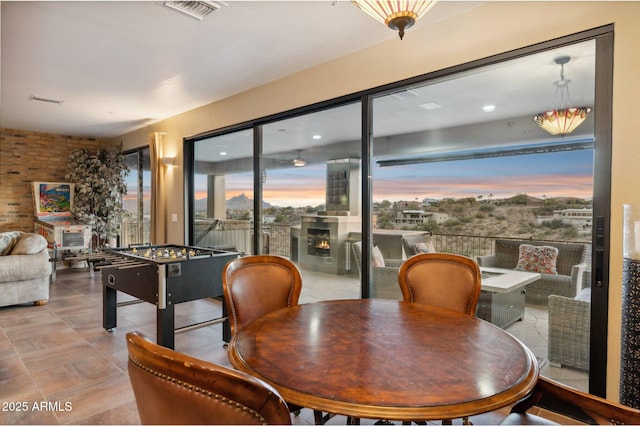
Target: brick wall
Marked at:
26, 157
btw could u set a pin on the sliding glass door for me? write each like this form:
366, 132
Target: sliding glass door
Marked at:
450, 162
311, 198
136, 225
460, 166
223, 192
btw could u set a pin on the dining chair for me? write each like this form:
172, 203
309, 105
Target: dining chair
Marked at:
441, 279
444, 280
255, 285
174, 388
581, 407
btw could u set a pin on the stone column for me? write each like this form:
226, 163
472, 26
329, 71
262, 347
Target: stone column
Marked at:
630, 345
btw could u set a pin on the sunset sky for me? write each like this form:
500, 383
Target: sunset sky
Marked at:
564, 174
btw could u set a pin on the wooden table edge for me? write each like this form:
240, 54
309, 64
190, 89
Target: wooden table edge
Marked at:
452, 411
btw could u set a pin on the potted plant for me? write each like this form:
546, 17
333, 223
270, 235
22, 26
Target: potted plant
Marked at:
99, 180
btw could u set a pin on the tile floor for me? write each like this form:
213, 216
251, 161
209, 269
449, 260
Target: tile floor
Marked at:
59, 366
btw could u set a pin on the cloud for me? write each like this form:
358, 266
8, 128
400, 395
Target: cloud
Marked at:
500, 186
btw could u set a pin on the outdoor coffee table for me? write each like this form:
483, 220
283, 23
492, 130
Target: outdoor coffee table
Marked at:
502, 296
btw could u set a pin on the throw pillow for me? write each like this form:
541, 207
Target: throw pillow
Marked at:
7, 241
30, 244
424, 247
540, 259
378, 259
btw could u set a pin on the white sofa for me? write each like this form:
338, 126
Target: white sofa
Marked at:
24, 268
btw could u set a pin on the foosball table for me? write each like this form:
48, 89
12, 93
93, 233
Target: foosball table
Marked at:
164, 275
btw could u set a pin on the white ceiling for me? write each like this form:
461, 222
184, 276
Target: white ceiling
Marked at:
404, 128
118, 66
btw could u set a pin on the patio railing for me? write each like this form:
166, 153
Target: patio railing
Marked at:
277, 238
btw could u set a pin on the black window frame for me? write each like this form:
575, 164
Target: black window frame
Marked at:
603, 37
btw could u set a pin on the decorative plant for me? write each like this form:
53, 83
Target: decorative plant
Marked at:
99, 180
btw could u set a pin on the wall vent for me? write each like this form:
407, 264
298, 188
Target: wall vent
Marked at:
194, 9
46, 100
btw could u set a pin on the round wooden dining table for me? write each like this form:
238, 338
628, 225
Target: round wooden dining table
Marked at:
384, 359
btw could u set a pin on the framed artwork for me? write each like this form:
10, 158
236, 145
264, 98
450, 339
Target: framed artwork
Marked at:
53, 199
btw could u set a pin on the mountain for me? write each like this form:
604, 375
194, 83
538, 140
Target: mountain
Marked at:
242, 202
239, 202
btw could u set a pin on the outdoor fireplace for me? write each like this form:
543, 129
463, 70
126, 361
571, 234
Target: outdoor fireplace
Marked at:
326, 246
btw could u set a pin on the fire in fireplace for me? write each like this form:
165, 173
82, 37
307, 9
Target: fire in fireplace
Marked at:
318, 242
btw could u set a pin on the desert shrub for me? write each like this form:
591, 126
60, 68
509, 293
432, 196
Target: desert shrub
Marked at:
451, 222
556, 224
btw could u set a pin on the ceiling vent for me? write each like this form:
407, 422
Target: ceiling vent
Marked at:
46, 100
194, 9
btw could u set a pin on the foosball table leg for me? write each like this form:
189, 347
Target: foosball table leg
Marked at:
109, 308
165, 328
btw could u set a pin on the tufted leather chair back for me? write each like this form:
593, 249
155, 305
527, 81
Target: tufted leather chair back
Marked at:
174, 388
256, 285
441, 279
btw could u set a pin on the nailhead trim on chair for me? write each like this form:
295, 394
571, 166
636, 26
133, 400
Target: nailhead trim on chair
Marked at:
201, 391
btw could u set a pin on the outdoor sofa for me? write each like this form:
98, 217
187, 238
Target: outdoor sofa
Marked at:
571, 263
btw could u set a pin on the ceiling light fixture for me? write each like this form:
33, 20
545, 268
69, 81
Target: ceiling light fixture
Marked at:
399, 14
430, 105
298, 161
194, 9
562, 119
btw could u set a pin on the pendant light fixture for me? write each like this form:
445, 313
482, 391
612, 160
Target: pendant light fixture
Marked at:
562, 119
299, 161
398, 15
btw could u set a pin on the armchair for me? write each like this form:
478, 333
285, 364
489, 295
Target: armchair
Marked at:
385, 278
416, 244
569, 330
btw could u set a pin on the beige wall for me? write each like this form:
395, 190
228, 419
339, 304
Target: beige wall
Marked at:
491, 28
